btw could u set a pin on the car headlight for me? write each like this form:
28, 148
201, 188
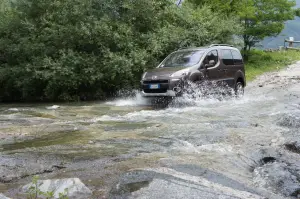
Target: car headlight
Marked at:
144, 75
179, 74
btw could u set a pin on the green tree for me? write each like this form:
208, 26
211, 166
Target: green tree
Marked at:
65, 49
229, 7
260, 18
266, 19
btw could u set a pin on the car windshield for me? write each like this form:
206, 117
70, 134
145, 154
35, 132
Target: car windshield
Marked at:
183, 59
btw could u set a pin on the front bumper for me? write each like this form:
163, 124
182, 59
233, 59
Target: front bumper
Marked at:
166, 88
169, 93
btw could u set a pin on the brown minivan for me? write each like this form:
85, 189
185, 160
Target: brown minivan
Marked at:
218, 63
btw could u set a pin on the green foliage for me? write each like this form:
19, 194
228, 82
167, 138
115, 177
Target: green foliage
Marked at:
260, 62
259, 18
225, 7
4, 5
70, 49
267, 19
35, 193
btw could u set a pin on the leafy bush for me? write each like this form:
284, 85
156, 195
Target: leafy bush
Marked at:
70, 49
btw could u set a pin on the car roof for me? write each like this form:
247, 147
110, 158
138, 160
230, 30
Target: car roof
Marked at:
211, 47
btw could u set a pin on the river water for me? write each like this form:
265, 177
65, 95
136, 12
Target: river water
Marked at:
193, 148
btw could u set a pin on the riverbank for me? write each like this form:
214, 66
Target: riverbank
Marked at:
261, 62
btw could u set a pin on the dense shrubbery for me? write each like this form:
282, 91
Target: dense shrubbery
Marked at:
65, 49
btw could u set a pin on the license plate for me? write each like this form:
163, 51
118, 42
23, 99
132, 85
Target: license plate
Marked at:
154, 86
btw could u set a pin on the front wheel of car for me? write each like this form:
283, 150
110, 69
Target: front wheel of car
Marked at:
239, 89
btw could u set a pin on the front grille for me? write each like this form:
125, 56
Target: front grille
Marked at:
155, 90
156, 82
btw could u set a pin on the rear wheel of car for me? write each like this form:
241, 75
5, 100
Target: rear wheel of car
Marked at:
239, 89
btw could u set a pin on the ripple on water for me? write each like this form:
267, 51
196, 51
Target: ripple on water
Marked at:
188, 147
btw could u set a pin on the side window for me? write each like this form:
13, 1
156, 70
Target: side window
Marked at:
227, 57
237, 57
212, 55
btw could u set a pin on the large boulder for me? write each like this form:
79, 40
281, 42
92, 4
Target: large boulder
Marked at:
76, 189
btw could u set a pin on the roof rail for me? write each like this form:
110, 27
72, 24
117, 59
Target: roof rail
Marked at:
212, 45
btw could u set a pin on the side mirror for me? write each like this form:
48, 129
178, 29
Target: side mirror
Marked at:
211, 63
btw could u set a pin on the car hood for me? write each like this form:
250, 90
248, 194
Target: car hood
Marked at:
162, 72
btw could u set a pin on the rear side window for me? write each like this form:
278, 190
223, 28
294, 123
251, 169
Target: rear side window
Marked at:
237, 57
227, 57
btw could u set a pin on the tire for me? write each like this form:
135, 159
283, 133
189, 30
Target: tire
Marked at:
239, 89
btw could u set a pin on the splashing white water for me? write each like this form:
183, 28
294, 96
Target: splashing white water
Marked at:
194, 97
177, 107
136, 100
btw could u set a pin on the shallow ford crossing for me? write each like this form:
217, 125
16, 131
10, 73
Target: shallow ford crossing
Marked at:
195, 148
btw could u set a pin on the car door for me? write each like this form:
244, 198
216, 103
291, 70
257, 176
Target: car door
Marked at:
213, 73
228, 67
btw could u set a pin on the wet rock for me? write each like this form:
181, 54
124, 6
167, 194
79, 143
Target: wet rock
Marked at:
293, 147
260, 85
16, 167
195, 170
3, 196
279, 178
267, 160
54, 107
75, 188
168, 183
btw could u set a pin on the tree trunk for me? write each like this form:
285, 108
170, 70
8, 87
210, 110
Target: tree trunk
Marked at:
246, 47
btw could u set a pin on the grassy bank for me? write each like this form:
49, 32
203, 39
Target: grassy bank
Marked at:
260, 62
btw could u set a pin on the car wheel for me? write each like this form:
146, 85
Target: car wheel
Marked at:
239, 89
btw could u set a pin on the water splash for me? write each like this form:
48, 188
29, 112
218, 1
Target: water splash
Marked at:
129, 99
